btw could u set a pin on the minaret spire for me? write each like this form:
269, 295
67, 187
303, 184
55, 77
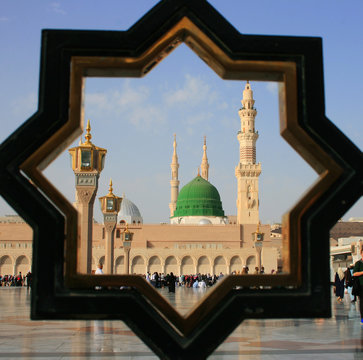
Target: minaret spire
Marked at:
247, 171
204, 166
174, 182
175, 156
110, 188
88, 135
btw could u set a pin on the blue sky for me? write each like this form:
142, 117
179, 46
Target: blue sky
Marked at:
135, 119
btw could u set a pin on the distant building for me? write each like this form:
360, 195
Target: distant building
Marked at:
200, 237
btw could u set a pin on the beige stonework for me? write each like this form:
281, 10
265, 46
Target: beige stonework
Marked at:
204, 166
163, 248
87, 164
86, 197
16, 239
189, 248
247, 171
174, 182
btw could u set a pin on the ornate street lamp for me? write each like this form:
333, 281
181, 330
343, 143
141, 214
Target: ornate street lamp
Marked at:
110, 206
257, 238
88, 161
126, 242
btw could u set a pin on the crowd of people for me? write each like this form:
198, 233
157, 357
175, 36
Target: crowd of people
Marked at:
161, 280
350, 282
16, 280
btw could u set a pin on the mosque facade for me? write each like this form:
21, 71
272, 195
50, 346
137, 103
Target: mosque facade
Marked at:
200, 237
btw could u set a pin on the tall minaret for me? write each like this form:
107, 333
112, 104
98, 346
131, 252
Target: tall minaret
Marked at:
174, 182
204, 166
247, 171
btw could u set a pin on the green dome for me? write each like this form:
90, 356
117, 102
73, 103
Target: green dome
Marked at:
198, 198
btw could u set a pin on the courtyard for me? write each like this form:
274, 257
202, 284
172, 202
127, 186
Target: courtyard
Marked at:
339, 337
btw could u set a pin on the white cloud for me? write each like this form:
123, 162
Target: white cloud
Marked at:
198, 118
56, 7
133, 96
195, 91
222, 106
147, 117
118, 100
131, 103
272, 87
190, 131
97, 100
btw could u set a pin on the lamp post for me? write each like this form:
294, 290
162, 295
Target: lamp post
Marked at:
257, 238
87, 163
110, 206
126, 242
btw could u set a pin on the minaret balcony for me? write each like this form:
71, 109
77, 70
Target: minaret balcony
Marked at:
247, 136
248, 170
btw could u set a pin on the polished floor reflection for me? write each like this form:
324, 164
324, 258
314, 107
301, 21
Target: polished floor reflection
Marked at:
340, 337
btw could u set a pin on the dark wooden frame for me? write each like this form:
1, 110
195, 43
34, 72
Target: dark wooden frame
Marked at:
59, 293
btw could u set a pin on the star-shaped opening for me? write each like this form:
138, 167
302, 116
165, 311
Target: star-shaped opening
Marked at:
185, 31
295, 63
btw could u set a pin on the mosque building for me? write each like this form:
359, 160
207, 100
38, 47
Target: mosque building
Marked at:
198, 202
200, 237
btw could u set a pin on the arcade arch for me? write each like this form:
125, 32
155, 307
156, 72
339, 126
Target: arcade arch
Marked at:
220, 265
203, 265
22, 265
236, 264
6, 265
120, 265
154, 264
138, 265
101, 260
187, 266
251, 263
171, 265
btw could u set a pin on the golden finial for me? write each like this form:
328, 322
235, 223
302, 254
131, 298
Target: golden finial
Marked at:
205, 140
127, 228
88, 135
198, 171
258, 228
248, 81
110, 189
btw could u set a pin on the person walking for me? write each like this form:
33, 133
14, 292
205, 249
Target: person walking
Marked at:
28, 279
171, 282
349, 282
99, 269
358, 274
339, 284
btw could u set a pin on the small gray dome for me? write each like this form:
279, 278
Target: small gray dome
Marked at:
129, 212
205, 222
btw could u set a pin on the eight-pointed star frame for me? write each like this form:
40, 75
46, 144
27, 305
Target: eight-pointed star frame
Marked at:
68, 57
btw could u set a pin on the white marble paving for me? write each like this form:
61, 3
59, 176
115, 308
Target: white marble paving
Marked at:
340, 337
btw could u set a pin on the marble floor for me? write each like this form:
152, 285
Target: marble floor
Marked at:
340, 337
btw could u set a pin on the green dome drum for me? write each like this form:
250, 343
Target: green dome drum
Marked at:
198, 198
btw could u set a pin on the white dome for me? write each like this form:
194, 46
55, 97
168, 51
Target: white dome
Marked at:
205, 222
129, 212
